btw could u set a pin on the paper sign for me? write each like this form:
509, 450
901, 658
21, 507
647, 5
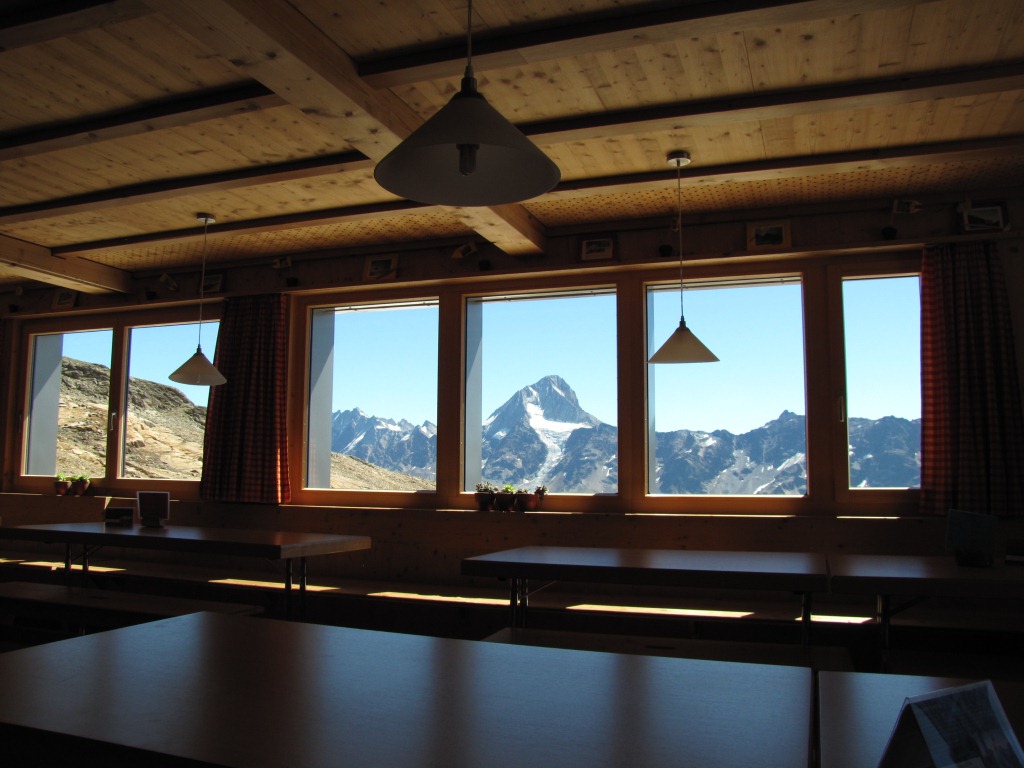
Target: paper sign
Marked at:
963, 727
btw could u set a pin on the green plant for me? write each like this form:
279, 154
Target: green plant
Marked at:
486, 487
508, 488
540, 490
60, 477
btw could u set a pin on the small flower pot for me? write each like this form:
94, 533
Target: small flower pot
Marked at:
62, 487
79, 487
503, 502
484, 500
527, 502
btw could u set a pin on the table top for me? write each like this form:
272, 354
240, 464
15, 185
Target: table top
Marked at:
921, 575
251, 692
858, 712
664, 567
272, 545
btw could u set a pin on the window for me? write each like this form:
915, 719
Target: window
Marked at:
373, 397
164, 421
68, 404
541, 392
98, 400
736, 426
882, 330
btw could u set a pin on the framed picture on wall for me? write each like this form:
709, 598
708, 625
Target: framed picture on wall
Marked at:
597, 249
989, 217
64, 298
767, 234
380, 268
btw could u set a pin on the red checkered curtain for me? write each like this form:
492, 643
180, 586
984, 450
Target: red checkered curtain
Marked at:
245, 452
972, 436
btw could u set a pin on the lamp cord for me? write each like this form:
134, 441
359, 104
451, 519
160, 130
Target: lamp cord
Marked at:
469, 36
679, 232
202, 282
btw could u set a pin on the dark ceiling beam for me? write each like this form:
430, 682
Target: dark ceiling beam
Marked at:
190, 186
730, 111
39, 23
796, 167
174, 113
249, 227
844, 162
576, 36
781, 104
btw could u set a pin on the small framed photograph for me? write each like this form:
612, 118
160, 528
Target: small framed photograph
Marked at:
986, 218
213, 284
64, 298
768, 234
597, 249
380, 268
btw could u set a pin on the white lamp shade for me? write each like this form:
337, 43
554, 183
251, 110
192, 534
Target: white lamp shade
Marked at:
426, 168
683, 347
198, 371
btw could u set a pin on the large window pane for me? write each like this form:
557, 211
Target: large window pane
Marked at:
736, 426
165, 421
541, 402
69, 395
373, 398
882, 325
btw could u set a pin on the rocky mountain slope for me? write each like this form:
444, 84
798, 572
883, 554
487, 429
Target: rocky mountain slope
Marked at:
539, 436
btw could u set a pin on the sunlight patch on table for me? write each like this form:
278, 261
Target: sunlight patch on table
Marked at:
441, 598
661, 611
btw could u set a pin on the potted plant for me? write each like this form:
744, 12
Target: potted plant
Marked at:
61, 484
527, 501
505, 498
485, 495
80, 484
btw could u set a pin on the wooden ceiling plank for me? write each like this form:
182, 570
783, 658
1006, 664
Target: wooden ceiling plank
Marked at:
37, 263
796, 167
186, 187
32, 28
769, 106
172, 114
570, 37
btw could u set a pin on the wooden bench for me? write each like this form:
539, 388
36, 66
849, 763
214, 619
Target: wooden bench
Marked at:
100, 608
815, 657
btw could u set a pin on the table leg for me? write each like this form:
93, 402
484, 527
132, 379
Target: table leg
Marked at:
517, 601
805, 619
884, 615
67, 564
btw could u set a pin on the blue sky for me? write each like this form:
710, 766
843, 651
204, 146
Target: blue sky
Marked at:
756, 333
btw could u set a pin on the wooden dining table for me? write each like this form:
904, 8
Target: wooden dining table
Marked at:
214, 689
796, 572
287, 546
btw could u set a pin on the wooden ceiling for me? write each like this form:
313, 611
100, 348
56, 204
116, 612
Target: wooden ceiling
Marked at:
122, 119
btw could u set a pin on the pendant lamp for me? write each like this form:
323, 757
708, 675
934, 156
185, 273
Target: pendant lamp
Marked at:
682, 346
198, 370
467, 154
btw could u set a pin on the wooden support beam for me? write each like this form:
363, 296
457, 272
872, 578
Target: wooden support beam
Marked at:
187, 186
781, 104
37, 263
276, 45
156, 117
575, 37
39, 23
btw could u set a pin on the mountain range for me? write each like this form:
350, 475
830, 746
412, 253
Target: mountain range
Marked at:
539, 436
542, 436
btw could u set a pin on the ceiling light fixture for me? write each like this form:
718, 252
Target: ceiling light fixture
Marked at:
682, 346
467, 154
198, 370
